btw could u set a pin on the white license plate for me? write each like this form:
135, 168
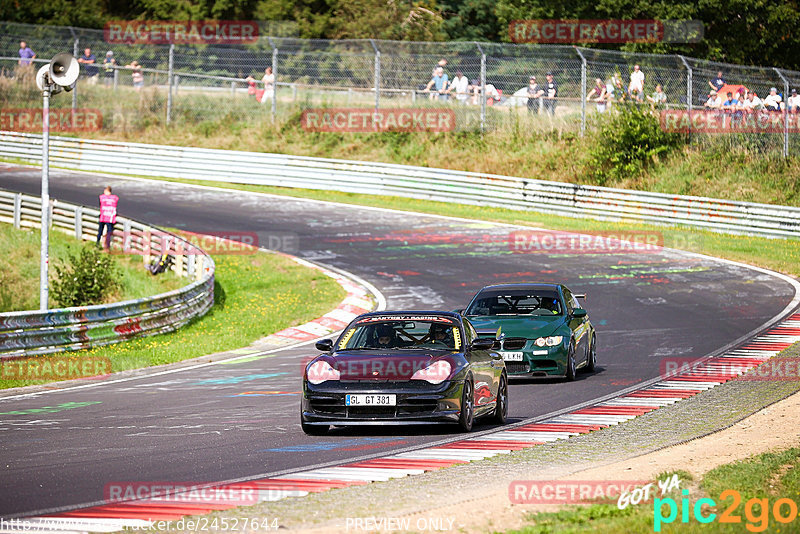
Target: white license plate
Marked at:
512, 356
370, 400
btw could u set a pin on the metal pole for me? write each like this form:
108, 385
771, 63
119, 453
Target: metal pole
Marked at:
75, 52
688, 89
483, 88
377, 74
583, 92
785, 113
275, 85
44, 257
169, 77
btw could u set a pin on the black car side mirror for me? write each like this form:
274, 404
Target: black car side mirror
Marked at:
482, 343
324, 345
579, 313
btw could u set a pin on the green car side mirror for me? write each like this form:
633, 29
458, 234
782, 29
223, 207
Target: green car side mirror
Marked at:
578, 313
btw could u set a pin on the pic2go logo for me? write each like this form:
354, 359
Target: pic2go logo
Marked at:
756, 511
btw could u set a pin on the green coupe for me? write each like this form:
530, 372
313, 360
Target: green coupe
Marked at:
541, 330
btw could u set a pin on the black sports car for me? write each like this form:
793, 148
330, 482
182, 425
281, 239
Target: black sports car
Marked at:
404, 368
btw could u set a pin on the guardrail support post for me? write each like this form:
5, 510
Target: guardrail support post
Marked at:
190, 259
17, 210
583, 91
785, 113
169, 81
79, 223
126, 236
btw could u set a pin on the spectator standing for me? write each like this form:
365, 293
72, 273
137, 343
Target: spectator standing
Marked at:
88, 61
475, 89
793, 102
772, 102
636, 85
598, 94
108, 68
461, 87
658, 99
440, 81
269, 85
551, 94
714, 101
535, 94
136, 75
26, 55
717, 83
108, 216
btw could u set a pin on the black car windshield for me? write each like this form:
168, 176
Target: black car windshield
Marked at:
379, 333
516, 303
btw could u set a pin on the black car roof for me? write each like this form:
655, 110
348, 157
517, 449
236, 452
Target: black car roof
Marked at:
451, 315
500, 287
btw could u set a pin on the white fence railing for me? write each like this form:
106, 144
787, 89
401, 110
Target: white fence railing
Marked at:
25, 333
442, 185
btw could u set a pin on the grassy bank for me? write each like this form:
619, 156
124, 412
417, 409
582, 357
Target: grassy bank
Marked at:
760, 482
19, 270
255, 295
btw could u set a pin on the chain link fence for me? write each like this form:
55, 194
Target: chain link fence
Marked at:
196, 84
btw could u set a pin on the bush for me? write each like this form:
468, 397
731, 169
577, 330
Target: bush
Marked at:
86, 278
629, 138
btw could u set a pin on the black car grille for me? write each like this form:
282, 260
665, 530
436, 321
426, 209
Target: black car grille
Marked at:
517, 367
514, 343
405, 406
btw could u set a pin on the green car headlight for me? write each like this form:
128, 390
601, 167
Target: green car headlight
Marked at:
550, 341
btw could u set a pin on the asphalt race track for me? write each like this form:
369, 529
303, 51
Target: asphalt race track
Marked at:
197, 425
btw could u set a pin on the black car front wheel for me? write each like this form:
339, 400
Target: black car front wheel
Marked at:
570, 373
467, 416
500, 415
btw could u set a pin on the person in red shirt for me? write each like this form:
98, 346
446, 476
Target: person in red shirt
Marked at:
108, 215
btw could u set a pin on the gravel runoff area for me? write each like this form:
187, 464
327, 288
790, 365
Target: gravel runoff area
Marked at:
474, 497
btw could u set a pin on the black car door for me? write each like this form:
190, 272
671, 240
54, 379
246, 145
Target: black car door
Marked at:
486, 367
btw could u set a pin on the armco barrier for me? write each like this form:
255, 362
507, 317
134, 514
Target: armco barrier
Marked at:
41, 332
415, 182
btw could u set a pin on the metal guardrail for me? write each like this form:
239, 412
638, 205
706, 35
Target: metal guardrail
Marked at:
25, 333
442, 185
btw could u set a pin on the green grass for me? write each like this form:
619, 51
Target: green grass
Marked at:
770, 476
782, 255
255, 295
19, 270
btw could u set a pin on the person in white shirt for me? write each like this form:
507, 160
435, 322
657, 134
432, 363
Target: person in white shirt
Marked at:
793, 102
773, 100
460, 86
752, 102
636, 85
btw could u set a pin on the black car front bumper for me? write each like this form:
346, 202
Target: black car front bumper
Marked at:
417, 402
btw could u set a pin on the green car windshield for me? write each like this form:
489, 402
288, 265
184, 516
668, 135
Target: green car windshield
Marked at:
516, 304
406, 334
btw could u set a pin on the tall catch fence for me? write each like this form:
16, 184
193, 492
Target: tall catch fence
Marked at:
193, 84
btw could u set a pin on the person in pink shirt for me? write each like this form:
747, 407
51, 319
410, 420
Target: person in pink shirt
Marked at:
108, 215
